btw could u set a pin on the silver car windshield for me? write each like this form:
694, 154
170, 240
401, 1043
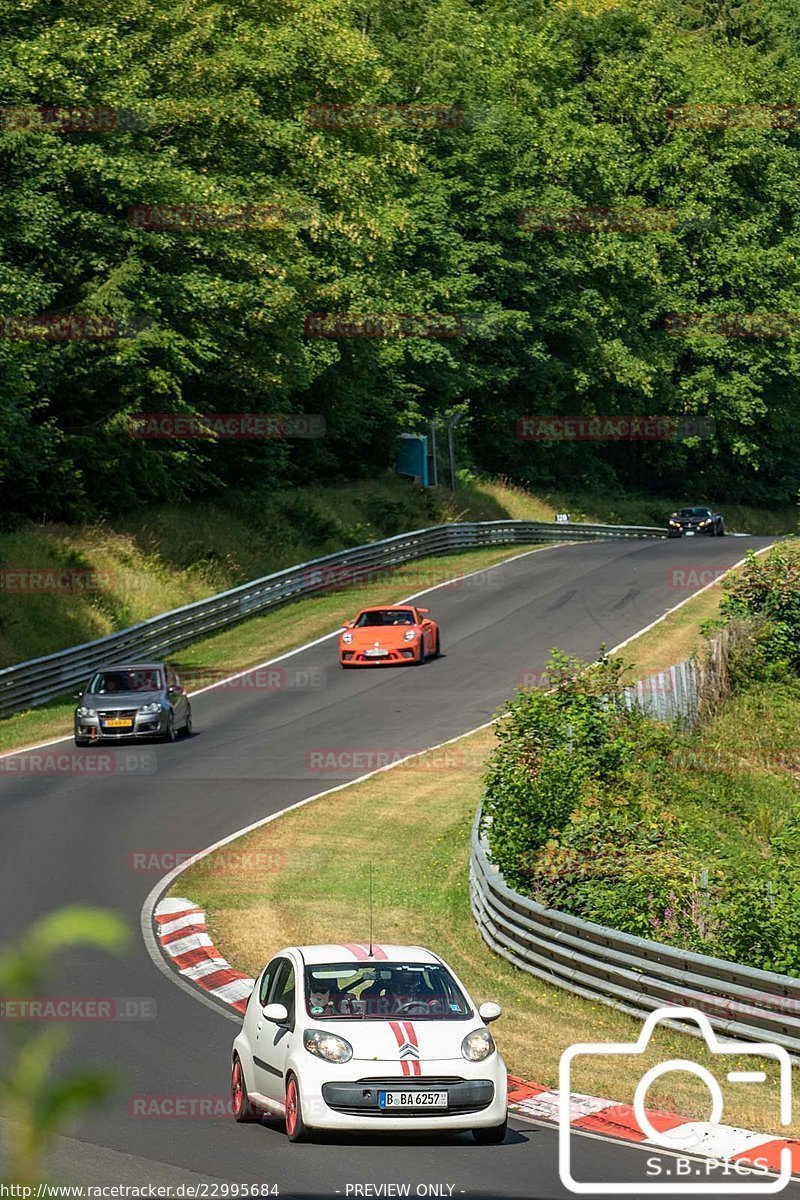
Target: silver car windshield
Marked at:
384, 992
107, 682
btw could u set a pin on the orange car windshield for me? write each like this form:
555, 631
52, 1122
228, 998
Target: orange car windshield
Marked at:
384, 616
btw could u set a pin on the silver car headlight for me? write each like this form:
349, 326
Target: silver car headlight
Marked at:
149, 708
86, 712
347, 638
410, 634
477, 1045
327, 1045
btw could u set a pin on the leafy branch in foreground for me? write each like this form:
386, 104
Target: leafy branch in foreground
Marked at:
35, 1102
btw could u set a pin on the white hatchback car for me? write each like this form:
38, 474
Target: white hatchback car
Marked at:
338, 1037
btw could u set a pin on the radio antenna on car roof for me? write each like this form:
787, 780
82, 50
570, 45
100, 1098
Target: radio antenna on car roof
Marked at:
370, 909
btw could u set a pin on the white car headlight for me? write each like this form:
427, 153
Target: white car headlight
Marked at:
150, 708
86, 712
347, 638
327, 1045
477, 1045
410, 634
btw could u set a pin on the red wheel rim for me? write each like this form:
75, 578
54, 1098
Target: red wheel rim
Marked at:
236, 1088
291, 1106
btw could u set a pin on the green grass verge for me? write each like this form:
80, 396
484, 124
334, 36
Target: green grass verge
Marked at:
264, 637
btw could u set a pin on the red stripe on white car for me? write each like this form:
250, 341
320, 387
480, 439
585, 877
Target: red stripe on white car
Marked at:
362, 953
359, 952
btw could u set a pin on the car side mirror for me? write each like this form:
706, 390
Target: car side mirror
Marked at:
423, 610
278, 1013
489, 1011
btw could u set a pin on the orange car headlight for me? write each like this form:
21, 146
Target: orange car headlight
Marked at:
410, 634
347, 638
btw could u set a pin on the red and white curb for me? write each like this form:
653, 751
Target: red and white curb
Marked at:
183, 936
593, 1115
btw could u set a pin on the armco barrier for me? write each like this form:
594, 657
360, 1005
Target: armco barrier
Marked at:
629, 973
41, 679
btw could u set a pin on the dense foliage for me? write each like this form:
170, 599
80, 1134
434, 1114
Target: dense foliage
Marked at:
563, 105
688, 838
764, 598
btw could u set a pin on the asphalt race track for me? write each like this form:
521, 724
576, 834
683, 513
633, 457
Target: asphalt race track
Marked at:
68, 838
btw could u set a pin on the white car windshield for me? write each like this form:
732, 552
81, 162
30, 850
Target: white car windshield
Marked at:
383, 992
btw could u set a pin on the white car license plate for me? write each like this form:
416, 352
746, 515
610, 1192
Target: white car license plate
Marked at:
375, 653
689, 533
412, 1099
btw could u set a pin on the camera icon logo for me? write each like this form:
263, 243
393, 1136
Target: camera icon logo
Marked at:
676, 1141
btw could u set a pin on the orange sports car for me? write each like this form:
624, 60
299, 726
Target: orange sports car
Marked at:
401, 633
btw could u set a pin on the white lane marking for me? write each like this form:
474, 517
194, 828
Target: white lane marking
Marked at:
317, 641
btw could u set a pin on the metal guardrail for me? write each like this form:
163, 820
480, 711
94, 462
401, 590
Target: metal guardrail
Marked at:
629, 973
41, 679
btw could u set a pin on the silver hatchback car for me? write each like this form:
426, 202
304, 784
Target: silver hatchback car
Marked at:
139, 700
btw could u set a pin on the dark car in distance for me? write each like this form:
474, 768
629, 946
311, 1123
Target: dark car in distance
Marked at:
136, 700
694, 521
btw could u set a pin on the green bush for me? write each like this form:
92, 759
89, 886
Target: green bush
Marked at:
766, 594
688, 838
